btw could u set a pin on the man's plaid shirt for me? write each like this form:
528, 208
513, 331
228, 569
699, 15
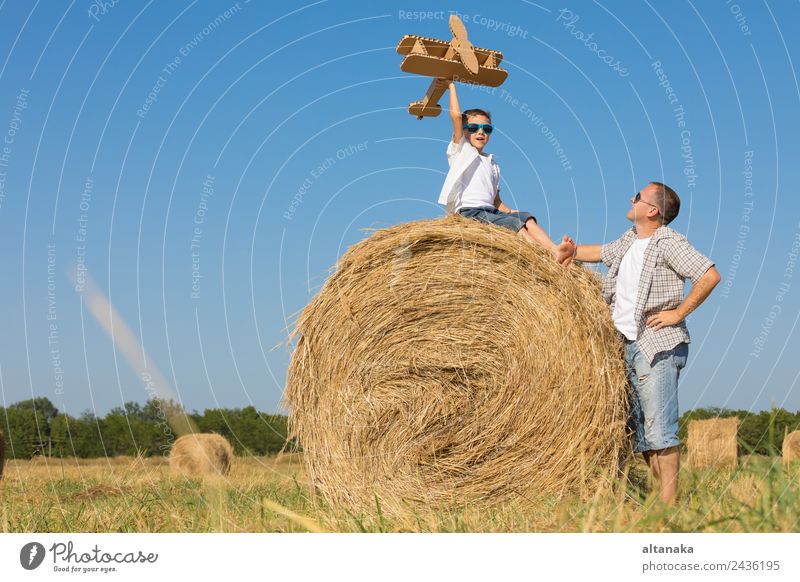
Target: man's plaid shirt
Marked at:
668, 261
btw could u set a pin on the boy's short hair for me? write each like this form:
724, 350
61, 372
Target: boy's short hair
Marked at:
668, 202
471, 112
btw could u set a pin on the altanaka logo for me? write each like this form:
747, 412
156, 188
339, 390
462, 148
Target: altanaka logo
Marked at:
31, 555
681, 549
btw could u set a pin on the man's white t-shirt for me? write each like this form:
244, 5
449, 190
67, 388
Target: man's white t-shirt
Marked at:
630, 271
480, 184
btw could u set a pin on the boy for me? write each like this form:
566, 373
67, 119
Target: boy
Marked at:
472, 186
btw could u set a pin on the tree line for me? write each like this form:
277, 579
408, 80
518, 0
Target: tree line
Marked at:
36, 427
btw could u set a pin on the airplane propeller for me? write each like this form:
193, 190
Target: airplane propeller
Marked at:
462, 45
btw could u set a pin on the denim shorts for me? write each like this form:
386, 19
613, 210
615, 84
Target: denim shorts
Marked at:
489, 214
653, 390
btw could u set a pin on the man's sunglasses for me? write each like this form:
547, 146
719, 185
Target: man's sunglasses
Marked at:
638, 198
474, 127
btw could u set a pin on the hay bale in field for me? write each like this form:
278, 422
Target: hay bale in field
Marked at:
712, 443
791, 447
447, 361
198, 455
2, 453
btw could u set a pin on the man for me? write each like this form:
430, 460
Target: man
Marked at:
647, 268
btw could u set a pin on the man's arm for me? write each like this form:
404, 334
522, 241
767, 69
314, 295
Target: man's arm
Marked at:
588, 253
701, 289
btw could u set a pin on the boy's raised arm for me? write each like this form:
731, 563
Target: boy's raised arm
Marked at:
455, 109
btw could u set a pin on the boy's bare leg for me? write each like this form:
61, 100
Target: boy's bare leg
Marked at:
524, 234
562, 252
538, 234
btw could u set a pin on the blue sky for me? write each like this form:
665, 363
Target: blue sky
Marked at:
279, 131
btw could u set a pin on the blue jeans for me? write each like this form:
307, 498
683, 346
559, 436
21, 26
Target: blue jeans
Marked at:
489, 214
653, 391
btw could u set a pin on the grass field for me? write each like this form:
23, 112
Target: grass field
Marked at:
272, 495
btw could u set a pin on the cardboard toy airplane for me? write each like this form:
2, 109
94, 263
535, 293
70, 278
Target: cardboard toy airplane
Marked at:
456, 59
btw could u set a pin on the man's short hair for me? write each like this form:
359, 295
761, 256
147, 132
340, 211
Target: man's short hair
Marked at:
471, 112
669, 205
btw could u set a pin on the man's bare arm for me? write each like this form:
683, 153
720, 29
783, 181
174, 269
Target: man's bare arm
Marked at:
588, 253
699, 293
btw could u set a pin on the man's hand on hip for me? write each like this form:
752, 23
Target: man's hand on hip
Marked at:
664, 319
700, 291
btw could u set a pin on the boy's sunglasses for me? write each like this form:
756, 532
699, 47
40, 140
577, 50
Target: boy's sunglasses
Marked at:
474, 127
638, 198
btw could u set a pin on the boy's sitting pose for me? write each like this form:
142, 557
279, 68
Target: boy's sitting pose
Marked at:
472, 186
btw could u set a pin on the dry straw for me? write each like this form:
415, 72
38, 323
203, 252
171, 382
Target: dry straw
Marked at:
449, 362
791, 447
2, 453
198, 455
712, 443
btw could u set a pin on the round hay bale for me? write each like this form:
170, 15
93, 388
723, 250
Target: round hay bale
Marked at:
198, 455
711, 443
447, 361
2, 453
791, 447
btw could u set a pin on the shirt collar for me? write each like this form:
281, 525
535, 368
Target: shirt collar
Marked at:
659, 233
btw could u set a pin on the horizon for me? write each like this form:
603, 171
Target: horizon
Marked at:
200, 412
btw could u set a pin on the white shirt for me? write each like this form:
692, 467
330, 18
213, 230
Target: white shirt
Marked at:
480, 185
630, 270
471, 173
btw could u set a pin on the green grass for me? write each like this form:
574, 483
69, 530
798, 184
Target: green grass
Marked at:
272, 495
